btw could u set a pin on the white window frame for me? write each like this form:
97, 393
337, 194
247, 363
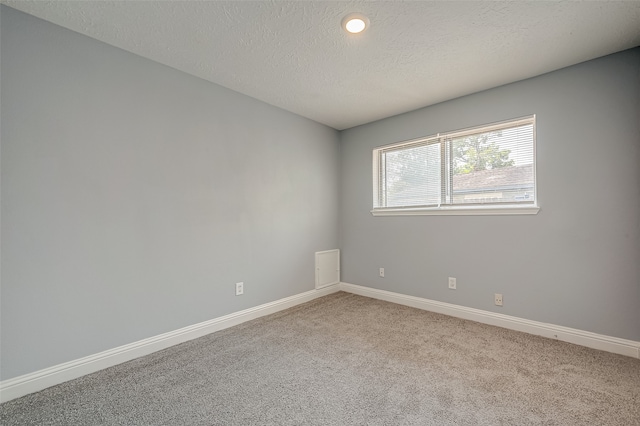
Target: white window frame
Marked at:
454, 209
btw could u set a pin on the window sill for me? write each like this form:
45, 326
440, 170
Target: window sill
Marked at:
456, 211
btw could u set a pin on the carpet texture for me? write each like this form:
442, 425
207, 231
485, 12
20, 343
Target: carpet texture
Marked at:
350, 360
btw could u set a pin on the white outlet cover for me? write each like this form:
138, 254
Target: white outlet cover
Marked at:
452, 283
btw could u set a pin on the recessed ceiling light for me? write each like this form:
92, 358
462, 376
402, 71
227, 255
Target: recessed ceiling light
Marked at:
355, 23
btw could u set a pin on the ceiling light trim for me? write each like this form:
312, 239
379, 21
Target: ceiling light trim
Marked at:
355, 23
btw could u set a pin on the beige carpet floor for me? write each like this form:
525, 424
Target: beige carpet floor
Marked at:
349, 360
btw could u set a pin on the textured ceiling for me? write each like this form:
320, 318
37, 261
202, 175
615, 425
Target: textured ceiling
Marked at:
294, 54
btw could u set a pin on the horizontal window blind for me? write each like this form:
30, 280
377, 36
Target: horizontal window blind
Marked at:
492, 164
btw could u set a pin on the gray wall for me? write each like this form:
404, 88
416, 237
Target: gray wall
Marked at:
134, 196
574, 264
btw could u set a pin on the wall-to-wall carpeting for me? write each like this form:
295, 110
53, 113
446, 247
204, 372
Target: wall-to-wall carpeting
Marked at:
349, 360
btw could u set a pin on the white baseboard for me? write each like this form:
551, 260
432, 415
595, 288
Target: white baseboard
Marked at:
579, 337
42, 379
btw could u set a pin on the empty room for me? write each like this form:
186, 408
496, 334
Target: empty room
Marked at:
319, 213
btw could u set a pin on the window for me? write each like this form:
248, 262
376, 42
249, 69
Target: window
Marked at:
483, 170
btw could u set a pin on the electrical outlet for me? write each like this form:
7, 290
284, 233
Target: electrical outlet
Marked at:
452, 283
239, 289
498, 299
381, 272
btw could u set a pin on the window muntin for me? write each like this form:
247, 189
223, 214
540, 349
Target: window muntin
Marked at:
485, 166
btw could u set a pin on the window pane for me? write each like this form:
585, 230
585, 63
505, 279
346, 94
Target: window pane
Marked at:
470, 168
412, 176
494, 167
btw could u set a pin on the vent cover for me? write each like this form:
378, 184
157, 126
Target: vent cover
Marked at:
327, 268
